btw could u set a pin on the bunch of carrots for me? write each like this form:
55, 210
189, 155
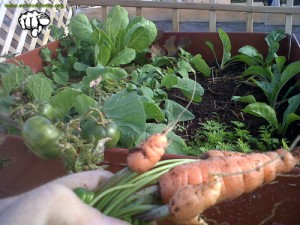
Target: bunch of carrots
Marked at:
182, 189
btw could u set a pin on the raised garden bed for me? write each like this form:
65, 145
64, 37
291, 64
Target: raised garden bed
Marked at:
24, 171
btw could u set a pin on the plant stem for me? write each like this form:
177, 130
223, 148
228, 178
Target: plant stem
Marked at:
8, 120
140, 181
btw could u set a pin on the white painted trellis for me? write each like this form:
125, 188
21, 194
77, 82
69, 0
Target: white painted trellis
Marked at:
15, 40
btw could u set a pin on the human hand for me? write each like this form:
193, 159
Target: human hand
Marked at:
56, 203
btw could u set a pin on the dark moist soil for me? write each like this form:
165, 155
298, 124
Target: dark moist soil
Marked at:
217, 104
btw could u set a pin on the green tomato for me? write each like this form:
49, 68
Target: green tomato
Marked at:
42, 137
93, 132
85, 195
46, 110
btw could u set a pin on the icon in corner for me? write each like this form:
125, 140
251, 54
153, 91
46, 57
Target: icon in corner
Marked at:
34, 21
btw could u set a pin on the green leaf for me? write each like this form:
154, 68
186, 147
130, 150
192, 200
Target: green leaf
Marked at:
117, 19
250, 61
263, 110
184, 68
226, 47
185, 54
114, 73
292, 117
294, 103
146, 94
140, 35
128, 113
290, 71
7, 102
83, 103
176, 145
280, 62
153, 111
80, 66
250, 56
272, 40
201, 65
125, 56
289, 115
64, 100
173, 111
274, 37
169, 81
266, 87
46, 54
82, 29
61, 78
188, 87
95, 71
259, 71
104, 54
246, 99
249, 51
212, 48
39, 87
11, 77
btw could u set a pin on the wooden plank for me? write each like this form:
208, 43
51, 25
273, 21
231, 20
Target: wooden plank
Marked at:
249, 18
289, 18
212, 18
139, 11
12, 29
104, 12
175, 19
3, 12
196, 6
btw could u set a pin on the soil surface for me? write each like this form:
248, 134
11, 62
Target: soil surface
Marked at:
217, 105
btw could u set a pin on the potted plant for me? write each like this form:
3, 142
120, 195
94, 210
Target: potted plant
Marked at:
19, 161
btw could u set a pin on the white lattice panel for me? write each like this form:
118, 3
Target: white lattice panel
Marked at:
15, 40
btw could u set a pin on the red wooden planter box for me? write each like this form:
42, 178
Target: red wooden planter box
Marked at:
27, 171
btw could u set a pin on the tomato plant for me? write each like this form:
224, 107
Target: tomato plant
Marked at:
42, 137
46, 110
92, 132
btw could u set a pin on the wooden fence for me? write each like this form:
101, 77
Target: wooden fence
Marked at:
249, 8
14, 40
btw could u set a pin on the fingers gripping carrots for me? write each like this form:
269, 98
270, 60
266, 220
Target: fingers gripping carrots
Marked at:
190, 189
145, 156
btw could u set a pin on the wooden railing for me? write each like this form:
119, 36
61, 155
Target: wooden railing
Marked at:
250, 9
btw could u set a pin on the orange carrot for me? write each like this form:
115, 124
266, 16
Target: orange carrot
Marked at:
142, 158
216, 153
191, 188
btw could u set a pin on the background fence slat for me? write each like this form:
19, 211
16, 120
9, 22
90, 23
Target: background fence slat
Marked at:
249, 18
289, 18
212, 18
175, 19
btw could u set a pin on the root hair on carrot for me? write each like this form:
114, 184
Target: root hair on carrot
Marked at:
273, 213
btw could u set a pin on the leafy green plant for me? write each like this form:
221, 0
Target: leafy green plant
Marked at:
153, 82
265, 111
95, 50
216, 135
117, 39
272, 80
252, 57
226, 56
